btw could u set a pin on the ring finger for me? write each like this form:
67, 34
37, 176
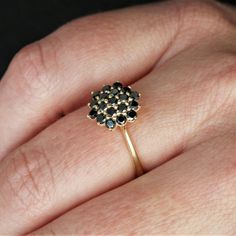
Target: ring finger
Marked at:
53, 76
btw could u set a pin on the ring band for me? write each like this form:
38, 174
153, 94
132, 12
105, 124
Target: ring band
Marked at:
113, 106
137, 164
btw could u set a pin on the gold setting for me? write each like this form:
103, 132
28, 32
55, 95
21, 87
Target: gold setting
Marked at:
112, 102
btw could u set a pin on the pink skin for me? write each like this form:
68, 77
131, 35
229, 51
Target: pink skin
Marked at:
185, 132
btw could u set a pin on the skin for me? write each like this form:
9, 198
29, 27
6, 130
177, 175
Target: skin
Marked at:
66, 175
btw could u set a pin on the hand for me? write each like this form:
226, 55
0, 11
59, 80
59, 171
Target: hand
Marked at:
181, 56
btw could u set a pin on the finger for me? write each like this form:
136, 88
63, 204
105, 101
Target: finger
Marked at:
191, 194
74, 160
53, 76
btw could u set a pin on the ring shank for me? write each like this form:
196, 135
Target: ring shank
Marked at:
138, 166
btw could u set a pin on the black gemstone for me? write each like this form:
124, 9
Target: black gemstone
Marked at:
133, 105
102, 105
122, 107
111, 111
135, 95
103, 95
112, 100
126, 90
117, 85
121, 119
93, 103
106, 88
114, 91
110, 124
132, 114
93, 114
123, 97
101, 118
95, 94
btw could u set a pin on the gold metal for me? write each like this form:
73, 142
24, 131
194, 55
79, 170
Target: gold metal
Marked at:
137, 164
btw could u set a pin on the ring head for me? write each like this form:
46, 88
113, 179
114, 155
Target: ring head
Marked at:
114, 105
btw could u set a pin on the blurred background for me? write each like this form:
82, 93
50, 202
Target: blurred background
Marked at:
24, 21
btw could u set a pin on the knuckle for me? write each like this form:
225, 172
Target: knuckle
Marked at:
230, 84
205, 15
220, 85
26, 175
30, 68
226, 77
94, 32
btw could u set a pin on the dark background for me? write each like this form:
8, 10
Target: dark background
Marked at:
24, 21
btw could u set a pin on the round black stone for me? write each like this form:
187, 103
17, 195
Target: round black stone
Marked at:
96, 94
102, 105
110, 124
117, 85
132, 114
114, 91
126, 90
93, 114
135, 95
101, 118
111, 111
121, 119
122, 107
133, 105
103, 95
93, 103
123, 97
106, 88
112, 100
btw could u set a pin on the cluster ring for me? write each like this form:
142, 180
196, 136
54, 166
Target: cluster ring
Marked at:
114, 106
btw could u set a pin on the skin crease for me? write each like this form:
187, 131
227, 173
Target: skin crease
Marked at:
185, 132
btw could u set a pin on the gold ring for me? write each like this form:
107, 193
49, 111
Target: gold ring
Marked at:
113, 106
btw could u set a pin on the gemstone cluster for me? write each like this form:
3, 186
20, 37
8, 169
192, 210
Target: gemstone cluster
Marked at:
114, 105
